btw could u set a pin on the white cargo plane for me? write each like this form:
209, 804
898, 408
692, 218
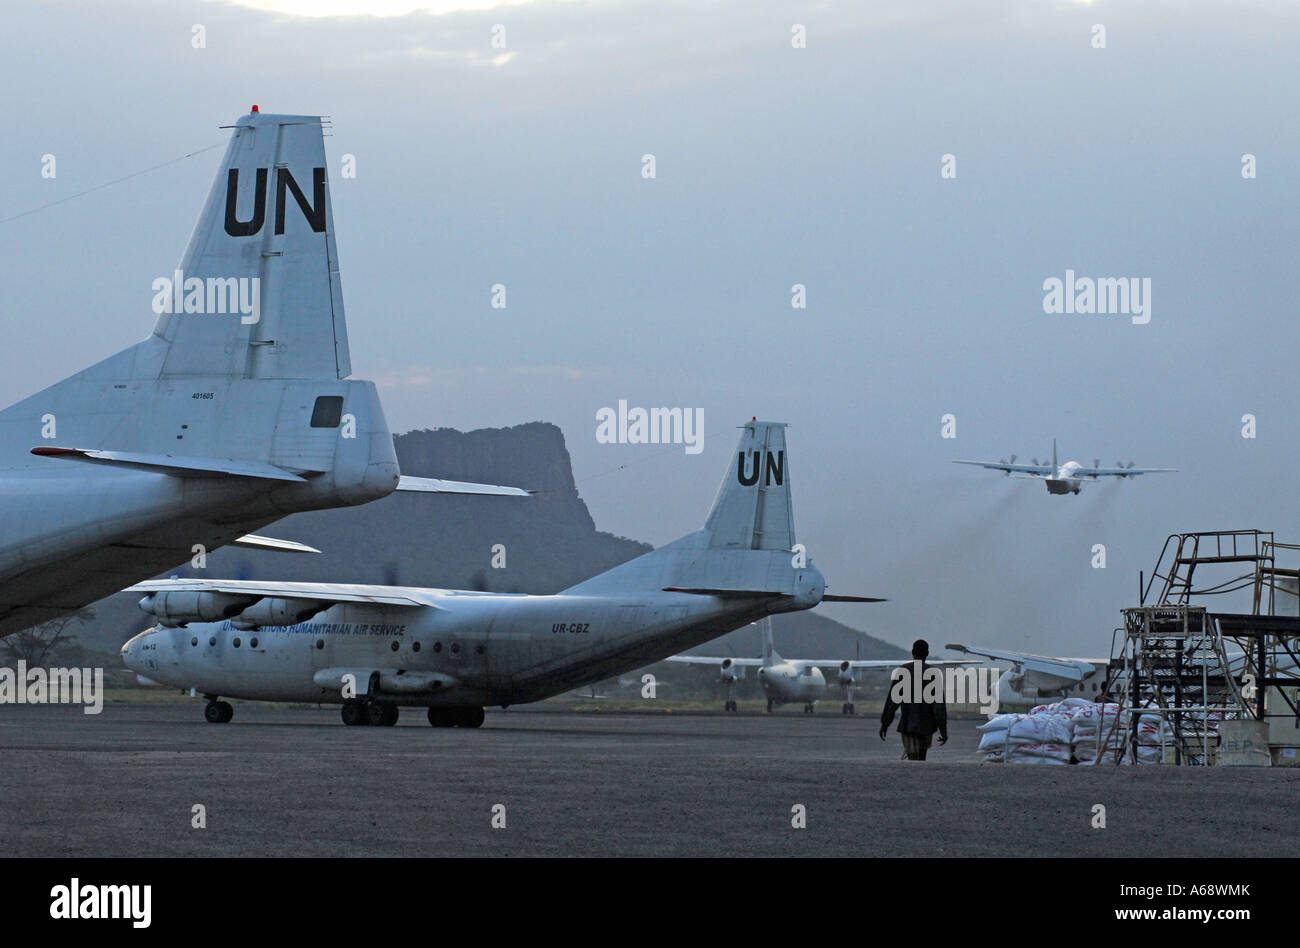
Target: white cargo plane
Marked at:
795, 680
235, 412
1065, 478
456, 652
1034, 679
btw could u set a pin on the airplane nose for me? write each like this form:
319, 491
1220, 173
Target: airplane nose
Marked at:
131, 648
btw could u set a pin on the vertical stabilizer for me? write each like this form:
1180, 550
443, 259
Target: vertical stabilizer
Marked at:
770, 657
752, 510
257, 294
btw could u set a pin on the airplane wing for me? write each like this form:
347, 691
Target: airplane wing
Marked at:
321, 592
432, 485
1095, 472
252, 541
177, 466
1048, 672
1030, 470
711, 660
889, 663
756, 594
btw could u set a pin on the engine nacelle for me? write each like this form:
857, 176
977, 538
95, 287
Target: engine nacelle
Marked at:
730, 671
846, 675
279, 610
177, 607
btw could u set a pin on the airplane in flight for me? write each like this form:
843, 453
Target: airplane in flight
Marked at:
795, 680
1066, 478
1034, 679
236, 411
373, 649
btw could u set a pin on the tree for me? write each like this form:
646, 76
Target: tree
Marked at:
39, 644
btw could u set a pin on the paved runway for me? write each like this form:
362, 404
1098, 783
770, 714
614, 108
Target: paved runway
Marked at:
296, 782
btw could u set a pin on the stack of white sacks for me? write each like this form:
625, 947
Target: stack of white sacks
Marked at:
1073, 730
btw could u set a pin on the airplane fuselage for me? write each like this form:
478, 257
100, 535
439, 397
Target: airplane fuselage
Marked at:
461, 649
1019, 692
73, 531
792, 682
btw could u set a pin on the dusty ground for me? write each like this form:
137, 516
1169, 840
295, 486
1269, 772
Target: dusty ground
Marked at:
295, 781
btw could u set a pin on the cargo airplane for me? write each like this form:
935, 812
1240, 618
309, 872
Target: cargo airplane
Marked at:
374, 649
1038, 679
236, 411
1065, 478
795, 680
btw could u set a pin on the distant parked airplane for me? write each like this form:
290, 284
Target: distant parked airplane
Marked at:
795, 680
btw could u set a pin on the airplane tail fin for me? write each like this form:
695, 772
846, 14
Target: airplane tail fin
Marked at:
770, 655
257, 292
745, 550
752, 510
245, 373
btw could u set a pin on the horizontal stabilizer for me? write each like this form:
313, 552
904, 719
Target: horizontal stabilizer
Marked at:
432, 485
828, 597
169, 464
253, 542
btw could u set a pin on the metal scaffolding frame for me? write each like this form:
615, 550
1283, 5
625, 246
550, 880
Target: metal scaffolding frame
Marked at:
1196, 668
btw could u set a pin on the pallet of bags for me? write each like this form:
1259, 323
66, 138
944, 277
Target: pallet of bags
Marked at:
1040, 737
1095, 737
993, 737
1037, 753
1151, 731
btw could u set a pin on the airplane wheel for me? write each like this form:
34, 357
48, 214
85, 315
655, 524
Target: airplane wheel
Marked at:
218, 712
354, 712
852, 708
808, 708
769, 705
391, 713
441, 717
470, 717
381, 714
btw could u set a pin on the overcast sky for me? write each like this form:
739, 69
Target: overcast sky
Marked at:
774, 166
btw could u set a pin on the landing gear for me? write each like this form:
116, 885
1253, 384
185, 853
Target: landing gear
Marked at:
730, 704
377, 713
847, 708
354, 712
769, 705
456, 717
218, 712
808, 707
